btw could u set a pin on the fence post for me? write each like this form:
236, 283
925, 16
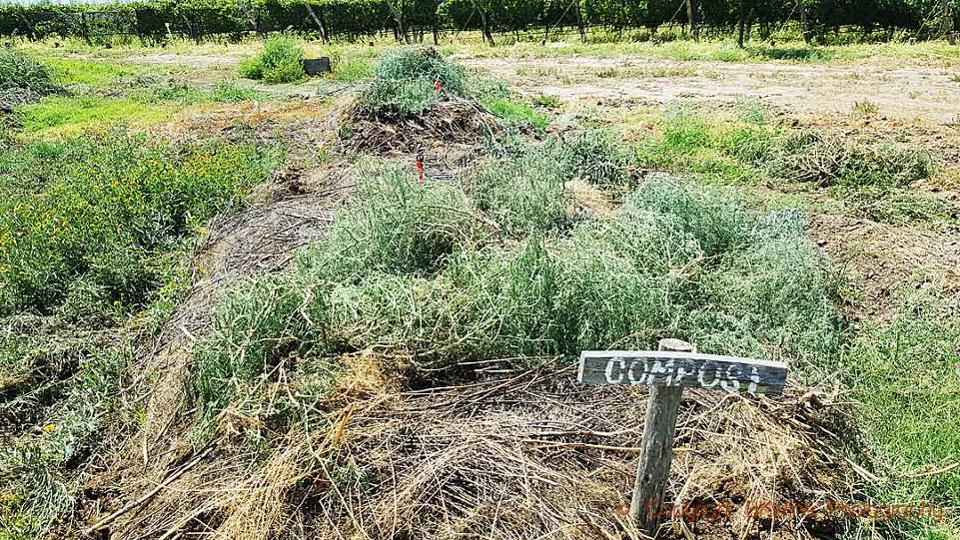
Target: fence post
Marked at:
84, 29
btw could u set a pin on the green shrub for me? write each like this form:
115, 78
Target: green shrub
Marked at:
405, 82
527, 193
279, 62
395, 225
598, 158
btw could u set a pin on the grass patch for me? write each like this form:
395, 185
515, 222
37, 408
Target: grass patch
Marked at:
279, 62
517, 114
70, 115
865, 109
548, 101
687, 142
95, 74
906, 380
173, 91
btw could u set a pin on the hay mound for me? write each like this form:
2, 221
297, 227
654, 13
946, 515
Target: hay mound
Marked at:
534, 455
447, 124
539, 456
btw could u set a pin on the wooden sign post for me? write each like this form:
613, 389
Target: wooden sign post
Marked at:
675, 366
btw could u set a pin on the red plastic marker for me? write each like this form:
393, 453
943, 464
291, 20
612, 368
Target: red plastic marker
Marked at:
420, 168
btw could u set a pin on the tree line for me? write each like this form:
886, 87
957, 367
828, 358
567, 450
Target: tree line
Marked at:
412, 20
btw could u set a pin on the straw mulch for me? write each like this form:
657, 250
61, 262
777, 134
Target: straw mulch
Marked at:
515, 456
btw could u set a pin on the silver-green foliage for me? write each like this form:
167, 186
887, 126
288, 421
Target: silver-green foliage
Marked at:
444, 275
410, 80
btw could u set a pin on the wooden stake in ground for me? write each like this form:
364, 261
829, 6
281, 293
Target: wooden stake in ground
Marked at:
675, 366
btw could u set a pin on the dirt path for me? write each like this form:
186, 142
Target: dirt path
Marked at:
910, 94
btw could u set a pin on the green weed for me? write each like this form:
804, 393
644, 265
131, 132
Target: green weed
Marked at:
230, 92
279, 62
735, 152
397, 226
93, 225
865, 109
171, 91
88, 232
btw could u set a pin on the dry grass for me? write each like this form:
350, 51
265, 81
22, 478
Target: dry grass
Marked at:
533, 455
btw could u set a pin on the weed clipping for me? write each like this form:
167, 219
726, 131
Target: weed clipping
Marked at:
22, 79
436, 276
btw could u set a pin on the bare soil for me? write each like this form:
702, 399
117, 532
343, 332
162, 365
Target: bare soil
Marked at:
882, 260
199, 61
908, 94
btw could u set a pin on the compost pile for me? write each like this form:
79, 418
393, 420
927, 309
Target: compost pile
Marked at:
394, 378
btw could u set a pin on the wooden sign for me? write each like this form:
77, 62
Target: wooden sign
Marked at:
688, 369
668, 371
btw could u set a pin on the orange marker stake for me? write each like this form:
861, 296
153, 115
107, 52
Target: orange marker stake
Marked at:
420, 168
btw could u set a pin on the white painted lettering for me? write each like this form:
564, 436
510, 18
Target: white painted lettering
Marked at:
707, 367
611, 366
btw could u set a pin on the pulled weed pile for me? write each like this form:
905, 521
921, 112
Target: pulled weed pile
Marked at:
443, 275
22, 79
829, 159
409, 81
417, 100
